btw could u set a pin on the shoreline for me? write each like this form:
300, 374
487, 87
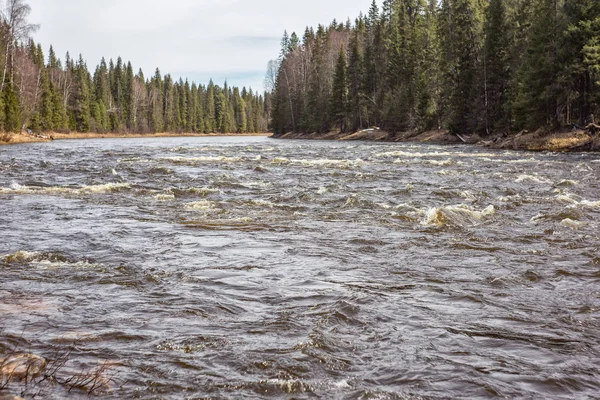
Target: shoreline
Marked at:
563, 141
19, 138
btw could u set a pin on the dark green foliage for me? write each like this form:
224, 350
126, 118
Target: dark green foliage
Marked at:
470, 66
497, 73
540, 96
12, 112
339, 96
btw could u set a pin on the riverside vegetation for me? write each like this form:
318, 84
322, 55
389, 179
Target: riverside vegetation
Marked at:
488, 69
46, 94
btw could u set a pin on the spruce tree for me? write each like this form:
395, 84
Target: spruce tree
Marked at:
339, 97
355, 81
540, 94
461, 33
47, 118
12, 111
210, 114
81, 112
496, 67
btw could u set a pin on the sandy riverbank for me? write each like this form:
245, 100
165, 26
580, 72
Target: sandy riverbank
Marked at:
15, 138
572, 140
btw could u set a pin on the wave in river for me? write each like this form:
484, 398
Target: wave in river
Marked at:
46, 260
15, 188
457, 215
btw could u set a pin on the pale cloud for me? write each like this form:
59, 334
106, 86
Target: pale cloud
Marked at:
197, 39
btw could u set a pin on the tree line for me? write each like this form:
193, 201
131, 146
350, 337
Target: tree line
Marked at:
46, 94
469, 66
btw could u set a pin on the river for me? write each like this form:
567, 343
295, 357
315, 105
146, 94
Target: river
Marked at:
252, 268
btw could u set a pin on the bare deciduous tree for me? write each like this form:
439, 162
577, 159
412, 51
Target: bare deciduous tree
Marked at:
271, 77
15, 17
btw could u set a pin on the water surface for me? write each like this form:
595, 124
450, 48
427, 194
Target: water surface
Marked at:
251, 268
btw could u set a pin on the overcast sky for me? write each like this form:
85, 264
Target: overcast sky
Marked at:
195, 39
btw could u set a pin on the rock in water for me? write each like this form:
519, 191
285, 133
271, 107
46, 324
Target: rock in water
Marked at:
21, 366
9, 397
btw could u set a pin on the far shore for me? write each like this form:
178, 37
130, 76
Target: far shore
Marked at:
562, 141
19, 138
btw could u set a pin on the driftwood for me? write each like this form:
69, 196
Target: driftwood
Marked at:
461, 138
593, 128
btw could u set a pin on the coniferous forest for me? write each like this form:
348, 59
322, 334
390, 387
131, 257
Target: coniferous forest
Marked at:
469, 66
44, 93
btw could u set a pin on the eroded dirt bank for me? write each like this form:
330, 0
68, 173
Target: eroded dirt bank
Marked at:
573, 140
16, 138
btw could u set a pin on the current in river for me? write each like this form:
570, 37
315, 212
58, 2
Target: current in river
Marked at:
254, 268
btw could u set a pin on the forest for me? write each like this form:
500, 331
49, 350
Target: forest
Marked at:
44, 94
468, 66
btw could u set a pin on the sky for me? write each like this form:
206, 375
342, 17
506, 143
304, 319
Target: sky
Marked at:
229, 40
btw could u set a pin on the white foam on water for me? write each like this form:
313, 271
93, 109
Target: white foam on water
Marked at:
567, 199
459, 214
164, 197
262, 204
258, 184
330, 163
46, 260
108, 187
576, 201
532, 178
15, 188
445, 172
592, 204
569, 223
417, 154
203, 205
568, 182
323, 163
280, 160
200, 160
509, 199
441, 163
468, 195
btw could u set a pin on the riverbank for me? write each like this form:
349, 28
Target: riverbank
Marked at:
572, 140
17, 138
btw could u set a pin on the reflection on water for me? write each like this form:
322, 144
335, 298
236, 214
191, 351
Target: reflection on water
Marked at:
253, 268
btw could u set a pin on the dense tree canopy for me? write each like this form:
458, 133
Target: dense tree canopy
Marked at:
470, 66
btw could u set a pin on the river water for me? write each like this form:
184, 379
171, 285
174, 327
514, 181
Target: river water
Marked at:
251, 268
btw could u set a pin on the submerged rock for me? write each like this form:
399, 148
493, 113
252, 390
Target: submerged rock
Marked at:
6, 396
21, 366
